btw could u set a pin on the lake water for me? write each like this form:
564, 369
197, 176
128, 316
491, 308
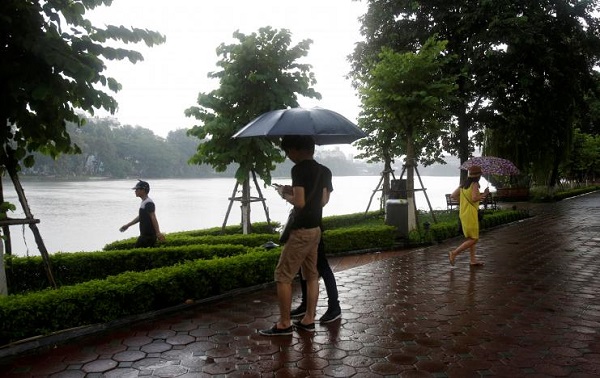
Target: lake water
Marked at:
86, 215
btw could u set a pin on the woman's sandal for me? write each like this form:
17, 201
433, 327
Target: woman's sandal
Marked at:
476, 264
451, 258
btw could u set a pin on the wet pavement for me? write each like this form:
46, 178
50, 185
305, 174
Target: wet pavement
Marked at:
533, 310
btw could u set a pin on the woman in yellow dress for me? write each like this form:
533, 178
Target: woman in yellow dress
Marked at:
469, 196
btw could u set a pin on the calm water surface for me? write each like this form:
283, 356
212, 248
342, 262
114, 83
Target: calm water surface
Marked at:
86, 215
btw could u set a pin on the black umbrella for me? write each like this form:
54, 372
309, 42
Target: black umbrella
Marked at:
325, 126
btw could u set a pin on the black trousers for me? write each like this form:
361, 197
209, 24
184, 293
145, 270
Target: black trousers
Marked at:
328, 279
145, 241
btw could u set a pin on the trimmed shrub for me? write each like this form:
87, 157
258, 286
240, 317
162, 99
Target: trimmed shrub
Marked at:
130, 293
193, 237
338, 241
27, 273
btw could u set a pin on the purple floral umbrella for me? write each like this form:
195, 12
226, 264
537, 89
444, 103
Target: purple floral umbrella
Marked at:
491, 165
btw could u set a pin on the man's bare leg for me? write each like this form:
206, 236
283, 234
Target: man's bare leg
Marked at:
284, 295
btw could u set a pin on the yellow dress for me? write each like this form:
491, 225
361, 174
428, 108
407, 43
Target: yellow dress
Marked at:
468, 213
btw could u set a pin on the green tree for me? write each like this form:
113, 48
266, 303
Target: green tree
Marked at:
522, 69
141, 149
181, 147
540, 76
405, 25
583, 164
112, 150
100, 140
52, 63
258, 74
407, 93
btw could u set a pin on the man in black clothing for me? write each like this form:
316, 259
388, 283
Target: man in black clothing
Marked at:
334, 311
149, 229
308, 195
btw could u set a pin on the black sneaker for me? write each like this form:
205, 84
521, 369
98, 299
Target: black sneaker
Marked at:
298, 312
331, 315
276, 331
307, 327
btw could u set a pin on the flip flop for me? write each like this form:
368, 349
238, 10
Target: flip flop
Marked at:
451, 258
476, 264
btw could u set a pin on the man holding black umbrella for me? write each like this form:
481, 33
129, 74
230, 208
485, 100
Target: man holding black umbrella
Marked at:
308, 196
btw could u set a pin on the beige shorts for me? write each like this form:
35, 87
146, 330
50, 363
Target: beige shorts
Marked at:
299, 252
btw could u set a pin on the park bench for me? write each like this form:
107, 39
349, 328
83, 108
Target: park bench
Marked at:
488, 202
450, 202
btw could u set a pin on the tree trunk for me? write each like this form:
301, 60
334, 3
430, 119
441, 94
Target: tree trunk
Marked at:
3, 284
262, 199
36, 232
246, 201
463, 139
5, 229
410, 182
553, 180
385, 190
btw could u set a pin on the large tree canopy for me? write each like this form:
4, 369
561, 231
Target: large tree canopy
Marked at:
407, 92
405, 25
258, 74
52, 63
523, 68
541, 72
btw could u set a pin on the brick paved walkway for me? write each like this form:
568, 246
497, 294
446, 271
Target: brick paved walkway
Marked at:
532, 311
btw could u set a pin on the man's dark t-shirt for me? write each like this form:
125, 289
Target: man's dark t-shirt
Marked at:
305, 174
146, 227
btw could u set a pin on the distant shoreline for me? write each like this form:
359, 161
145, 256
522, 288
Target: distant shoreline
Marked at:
433, 171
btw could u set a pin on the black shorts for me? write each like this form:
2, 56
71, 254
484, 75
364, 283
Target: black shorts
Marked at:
145, 241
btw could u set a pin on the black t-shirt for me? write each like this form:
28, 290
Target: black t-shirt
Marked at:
146, 226
305, 174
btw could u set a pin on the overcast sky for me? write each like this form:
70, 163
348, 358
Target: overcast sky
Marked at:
157, 91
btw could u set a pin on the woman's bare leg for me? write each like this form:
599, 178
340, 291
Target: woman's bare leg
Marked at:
473, 256
469, 243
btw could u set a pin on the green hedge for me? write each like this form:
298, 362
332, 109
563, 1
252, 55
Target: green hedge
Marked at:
233, 234
257, 228
179, 239
130, 293
349, 220
491, 218
27, 273
542, 194
249, 240
574, 192
342, 240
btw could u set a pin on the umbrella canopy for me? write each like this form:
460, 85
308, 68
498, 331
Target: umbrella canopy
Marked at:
326, 126
491, 165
